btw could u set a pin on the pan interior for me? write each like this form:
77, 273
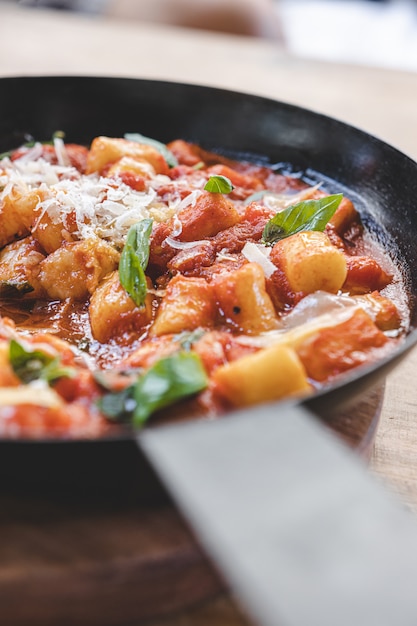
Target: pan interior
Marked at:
381, 181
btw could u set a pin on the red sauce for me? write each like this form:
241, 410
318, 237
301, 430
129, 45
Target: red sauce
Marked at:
194, 285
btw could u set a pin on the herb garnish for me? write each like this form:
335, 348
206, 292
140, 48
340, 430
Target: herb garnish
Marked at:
29, 365
161, 147
187, 338
58, 134
15, 287
306, 215
134, 260
170, 379
219, 184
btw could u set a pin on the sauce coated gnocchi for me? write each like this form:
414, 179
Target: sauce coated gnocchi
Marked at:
139, 281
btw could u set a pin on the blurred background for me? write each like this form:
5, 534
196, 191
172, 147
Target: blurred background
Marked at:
377, 33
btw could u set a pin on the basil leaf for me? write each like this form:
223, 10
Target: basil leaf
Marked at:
15, 287
170, 379
187, 338
116, 380
175, 377
219, 184
161, 147
54, 370
134, 260
306, 215
117, 405
6, 155
29, 365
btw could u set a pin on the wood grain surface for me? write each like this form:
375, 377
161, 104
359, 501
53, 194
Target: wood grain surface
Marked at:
394, 457
100, 555
95, 563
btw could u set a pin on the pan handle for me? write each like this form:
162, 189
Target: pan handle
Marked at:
292, 518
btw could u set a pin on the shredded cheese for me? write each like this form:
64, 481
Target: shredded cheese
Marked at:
107, 207
30, 394
102, 207
23, 175
280, 201
297, 335
258, 253
61, 152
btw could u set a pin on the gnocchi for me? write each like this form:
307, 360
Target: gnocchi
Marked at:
139, 276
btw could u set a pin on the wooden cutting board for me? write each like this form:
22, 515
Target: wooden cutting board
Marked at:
100, 553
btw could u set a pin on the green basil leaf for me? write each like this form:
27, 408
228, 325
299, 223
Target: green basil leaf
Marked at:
170, 379
54, 370
29, 365
117, 405
175, 377
187, 338
161, 147
5, 155
116, 380
306, 215
134, 260
15, 287
219, 184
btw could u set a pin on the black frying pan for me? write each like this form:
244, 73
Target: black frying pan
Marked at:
381, 181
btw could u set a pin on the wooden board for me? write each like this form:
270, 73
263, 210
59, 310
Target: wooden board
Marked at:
104, 556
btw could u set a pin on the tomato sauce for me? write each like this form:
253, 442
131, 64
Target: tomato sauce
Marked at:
108, 327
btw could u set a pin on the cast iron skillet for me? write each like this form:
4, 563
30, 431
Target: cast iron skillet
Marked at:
382, 182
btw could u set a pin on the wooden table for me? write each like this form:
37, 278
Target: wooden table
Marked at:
379, 101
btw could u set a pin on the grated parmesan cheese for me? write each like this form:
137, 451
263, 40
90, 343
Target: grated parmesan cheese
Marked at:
298, 334
280, 201
107, 207
23, 175
185, 245
258, 253
61, 152
102, 207
30, 394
